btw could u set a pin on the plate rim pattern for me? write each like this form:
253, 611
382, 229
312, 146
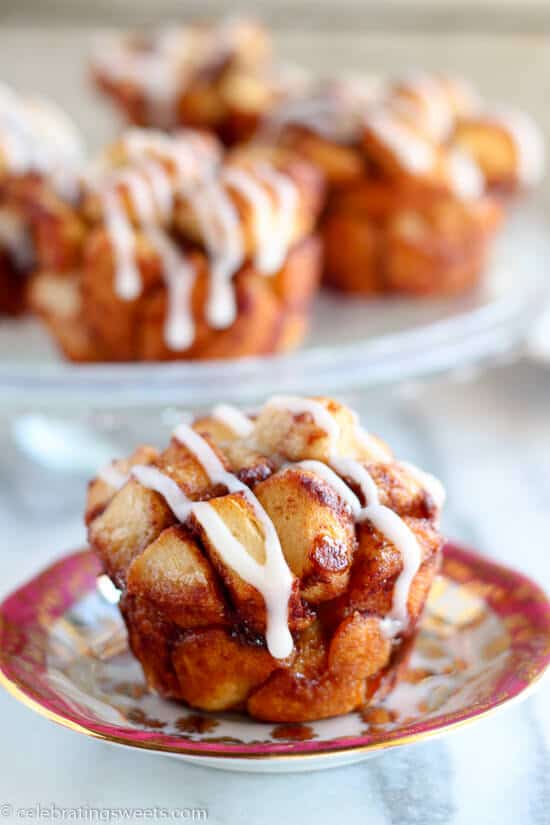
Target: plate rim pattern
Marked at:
29, 611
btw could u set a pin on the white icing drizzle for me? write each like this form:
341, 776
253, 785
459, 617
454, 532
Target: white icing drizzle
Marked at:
272, 579
233, 418
432, 484
113, 477
273, 215
150, 190
272, 196
262, 211
333, 480
528, 142
383, 518
467, 181
297, 405
127, 276
178, 274
36, 136
414, 153
220, 226
179, 278
153, 479
393, 528
286, 199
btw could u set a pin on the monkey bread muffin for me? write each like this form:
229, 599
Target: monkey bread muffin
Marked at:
187, 254
216, 76
417, 168
275, 563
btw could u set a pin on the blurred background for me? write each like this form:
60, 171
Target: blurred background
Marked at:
503, 46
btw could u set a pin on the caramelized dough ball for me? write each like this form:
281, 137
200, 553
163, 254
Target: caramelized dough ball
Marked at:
240, 519
100, 492
297, 436
241, 454
377, 564
216, 671
173, 575
315, 529
216, 430
502, 143
402, 492
324, 680
133, 519
183, 467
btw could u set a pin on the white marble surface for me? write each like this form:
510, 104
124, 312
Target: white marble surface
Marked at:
489, 439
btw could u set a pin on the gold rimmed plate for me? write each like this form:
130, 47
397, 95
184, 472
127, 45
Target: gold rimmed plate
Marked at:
483, 642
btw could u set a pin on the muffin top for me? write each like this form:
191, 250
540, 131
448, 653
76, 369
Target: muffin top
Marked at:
165, 64
421, 127
181, 202
270, 510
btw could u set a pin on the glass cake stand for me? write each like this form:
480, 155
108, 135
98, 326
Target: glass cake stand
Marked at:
353, 344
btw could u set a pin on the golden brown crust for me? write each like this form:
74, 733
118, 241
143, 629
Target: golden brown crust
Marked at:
198, 628
502, 144
325, 679
91, 323
380, 237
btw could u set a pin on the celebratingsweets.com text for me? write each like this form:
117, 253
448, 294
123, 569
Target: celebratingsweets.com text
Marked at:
44, 812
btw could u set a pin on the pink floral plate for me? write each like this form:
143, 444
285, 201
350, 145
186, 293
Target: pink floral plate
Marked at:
484, 641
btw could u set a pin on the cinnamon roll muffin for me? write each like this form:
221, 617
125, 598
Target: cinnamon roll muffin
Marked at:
414, 168
218, 76
40, 154
188, 254
276, 564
